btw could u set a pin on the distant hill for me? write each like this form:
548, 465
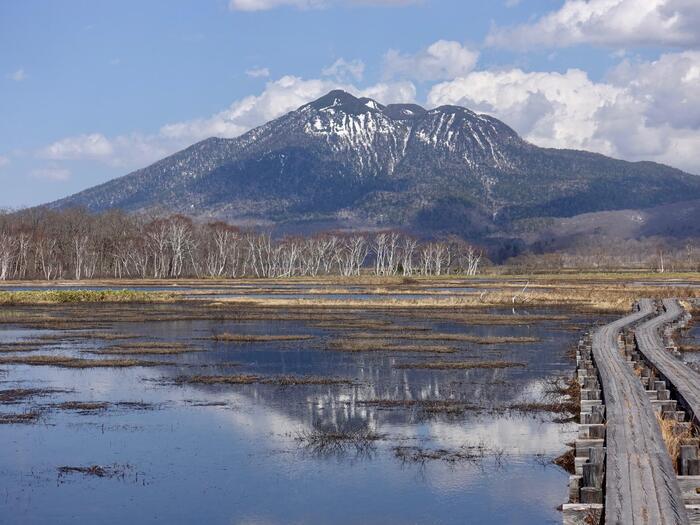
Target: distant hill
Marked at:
347, 162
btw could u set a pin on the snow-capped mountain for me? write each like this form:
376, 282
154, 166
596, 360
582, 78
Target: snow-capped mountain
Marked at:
343, 161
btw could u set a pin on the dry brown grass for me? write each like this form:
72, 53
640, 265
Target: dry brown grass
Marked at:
251, 338
75, 362
82, 406
597, 296
438, 336
474, 453
461, 365
19, 349
145, 349
291, 380
163, 345
566, 461
426, 406
17, 344
233, 379
248, 379
673, 436
378, 345
556, 408
23, 418
106, 336
81, 296
376, 327
18, 395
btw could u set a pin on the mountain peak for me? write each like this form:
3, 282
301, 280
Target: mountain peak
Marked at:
350, 162
339, 99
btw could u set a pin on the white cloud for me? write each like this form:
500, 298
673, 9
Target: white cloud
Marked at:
51, 173
4, 161
343, 70
672, 81
279, 97
550, 109
92, 146
643, 111
609, 23
18, 76
441, 60
263, 5
258, 72
389, 92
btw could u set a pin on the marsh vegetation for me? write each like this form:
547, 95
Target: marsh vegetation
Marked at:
371, 388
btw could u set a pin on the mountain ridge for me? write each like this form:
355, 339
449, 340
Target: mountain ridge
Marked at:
352, 162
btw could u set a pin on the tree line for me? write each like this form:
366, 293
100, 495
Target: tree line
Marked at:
74, 244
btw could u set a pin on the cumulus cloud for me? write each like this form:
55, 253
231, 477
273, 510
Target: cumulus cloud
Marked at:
279, 97
609, 23
51, 173
672, 81
343, 70
441, 60
92, 146
389, 92
642, 111
550, 109
258, 72
18, 76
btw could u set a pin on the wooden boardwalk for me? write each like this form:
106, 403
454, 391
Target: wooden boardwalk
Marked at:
640, 483
683, 380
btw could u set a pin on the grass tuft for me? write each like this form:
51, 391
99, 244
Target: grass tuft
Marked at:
249, 379
461, 365
82, 296
325, 442
379, 345
23, 418
75, 362
252, 338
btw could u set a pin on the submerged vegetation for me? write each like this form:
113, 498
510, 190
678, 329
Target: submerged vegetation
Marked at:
97, 471
325, 441
425, 407
468, 453
437, 336
460, 365
249, 379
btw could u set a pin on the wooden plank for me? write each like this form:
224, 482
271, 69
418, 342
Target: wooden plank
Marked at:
683, 380
640, 483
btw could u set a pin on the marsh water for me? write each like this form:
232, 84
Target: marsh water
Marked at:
181, 452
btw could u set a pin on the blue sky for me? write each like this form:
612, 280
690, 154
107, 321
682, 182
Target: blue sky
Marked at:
90, 90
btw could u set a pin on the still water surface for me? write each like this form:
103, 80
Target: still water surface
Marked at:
231, 454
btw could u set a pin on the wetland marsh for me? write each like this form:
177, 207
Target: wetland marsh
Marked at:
192, 408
